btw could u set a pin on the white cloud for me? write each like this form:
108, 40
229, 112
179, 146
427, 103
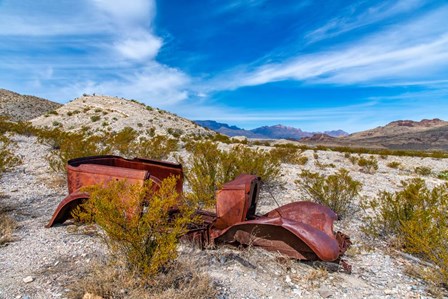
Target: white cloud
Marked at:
139, 46
416, 51
352, 19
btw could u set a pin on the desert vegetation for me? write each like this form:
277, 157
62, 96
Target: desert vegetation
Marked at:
415, 219
336, 191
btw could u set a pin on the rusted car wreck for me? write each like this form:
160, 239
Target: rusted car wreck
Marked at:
302, 230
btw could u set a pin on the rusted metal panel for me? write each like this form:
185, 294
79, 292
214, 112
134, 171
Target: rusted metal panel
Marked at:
236, 201
88, 171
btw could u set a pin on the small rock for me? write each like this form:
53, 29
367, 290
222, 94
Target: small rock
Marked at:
325, 293
28, 279
288, 279
91, 296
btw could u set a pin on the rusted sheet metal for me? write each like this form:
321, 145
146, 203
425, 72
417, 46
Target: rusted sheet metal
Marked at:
94, 170
237, 200
302, 230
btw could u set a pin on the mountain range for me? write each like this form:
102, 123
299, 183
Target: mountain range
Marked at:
265, 132
97, 113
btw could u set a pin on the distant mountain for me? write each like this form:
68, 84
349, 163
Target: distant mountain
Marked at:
266, 132
281, 132
20, 107
427, 134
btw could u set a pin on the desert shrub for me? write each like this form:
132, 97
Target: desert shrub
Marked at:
98, 110
7, 227
251, 161
353, 159
95, 118
221, 138
176, 133
66, 146
7, 157
422, 170
336, 191
315, 156
416, 217
289, 155
124, 141
137, 221
384, 157
394, 164
69, 113
369, 165
158, 147
210, 167
443, 175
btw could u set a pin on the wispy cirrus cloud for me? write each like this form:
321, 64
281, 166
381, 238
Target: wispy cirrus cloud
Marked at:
415, 51
352, 18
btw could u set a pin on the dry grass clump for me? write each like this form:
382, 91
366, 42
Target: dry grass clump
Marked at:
416, 218
179, 280
209, 168
7, 227
337, 191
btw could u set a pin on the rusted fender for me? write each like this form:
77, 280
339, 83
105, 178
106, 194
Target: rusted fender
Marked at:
63, 211
295, 239
311, 213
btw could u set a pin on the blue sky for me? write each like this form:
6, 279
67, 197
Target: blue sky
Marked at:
317, 65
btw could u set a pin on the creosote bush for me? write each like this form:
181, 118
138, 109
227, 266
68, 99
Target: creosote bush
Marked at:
137, 221
336, 191
422, 170
291, 155
209, 167
394, 164
443, 175
369, 165
416, 218
7, 158
158, 147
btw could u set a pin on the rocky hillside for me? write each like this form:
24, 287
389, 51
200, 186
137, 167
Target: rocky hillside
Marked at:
265, 132
23, 107
99, 113
402, 134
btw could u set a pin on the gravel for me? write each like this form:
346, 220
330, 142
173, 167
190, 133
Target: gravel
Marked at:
42, 263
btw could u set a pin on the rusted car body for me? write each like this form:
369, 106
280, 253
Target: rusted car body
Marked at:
302, 230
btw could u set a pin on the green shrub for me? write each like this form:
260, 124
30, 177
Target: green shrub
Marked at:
416, 217
66, 146
7, 158
394, 164
422, 170
443, 175
337, 191
369, 165
158, 147
210, 167
289, 155
137, 221
124, 141
95, 118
